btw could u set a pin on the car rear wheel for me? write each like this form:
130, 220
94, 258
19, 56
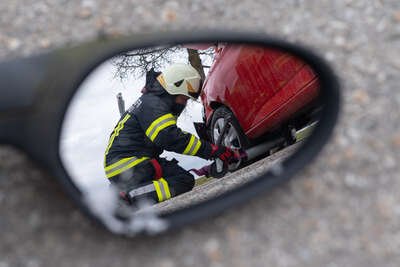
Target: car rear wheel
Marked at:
234, 136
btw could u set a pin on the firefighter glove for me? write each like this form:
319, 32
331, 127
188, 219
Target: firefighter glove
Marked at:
225, 154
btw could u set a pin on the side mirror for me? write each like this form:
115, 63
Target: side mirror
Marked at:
132, 164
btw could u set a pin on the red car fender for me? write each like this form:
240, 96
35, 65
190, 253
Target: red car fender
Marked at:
262, 87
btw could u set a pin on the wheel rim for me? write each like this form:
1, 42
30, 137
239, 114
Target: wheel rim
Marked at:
231, 139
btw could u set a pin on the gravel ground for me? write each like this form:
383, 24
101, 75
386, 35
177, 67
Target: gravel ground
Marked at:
343, 210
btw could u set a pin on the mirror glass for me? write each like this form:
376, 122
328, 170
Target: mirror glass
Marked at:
148, 130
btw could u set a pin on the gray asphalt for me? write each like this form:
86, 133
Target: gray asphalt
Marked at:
342, 210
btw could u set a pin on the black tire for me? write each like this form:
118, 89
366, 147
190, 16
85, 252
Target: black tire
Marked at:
235, 133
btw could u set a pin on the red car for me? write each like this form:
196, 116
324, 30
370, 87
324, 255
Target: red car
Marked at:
267, 93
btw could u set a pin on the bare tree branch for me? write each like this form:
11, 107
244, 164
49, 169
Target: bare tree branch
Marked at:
138, 62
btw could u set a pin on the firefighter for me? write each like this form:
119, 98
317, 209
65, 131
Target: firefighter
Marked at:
132, 158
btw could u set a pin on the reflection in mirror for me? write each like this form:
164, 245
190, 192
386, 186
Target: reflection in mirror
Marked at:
168, 127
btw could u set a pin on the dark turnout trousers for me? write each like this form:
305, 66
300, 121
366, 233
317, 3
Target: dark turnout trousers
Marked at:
139, 182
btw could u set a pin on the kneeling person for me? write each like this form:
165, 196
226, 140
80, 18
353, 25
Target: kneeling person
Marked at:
147, 128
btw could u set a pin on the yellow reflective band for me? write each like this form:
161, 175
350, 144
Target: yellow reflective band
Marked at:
117, 129
190, 87
124, 167
165, 125
189, 146
157, 121
160, 124
197, 147
166, 188
158, 191
160, 79
112, 166
193, 146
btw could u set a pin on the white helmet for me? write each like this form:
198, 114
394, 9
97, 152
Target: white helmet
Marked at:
181, 79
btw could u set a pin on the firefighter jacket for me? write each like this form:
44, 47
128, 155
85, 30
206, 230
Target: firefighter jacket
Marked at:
146, 129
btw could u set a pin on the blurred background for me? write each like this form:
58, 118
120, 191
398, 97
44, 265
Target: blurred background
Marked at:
343, 210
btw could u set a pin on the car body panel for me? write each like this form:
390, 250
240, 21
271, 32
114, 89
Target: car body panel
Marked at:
262, 87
